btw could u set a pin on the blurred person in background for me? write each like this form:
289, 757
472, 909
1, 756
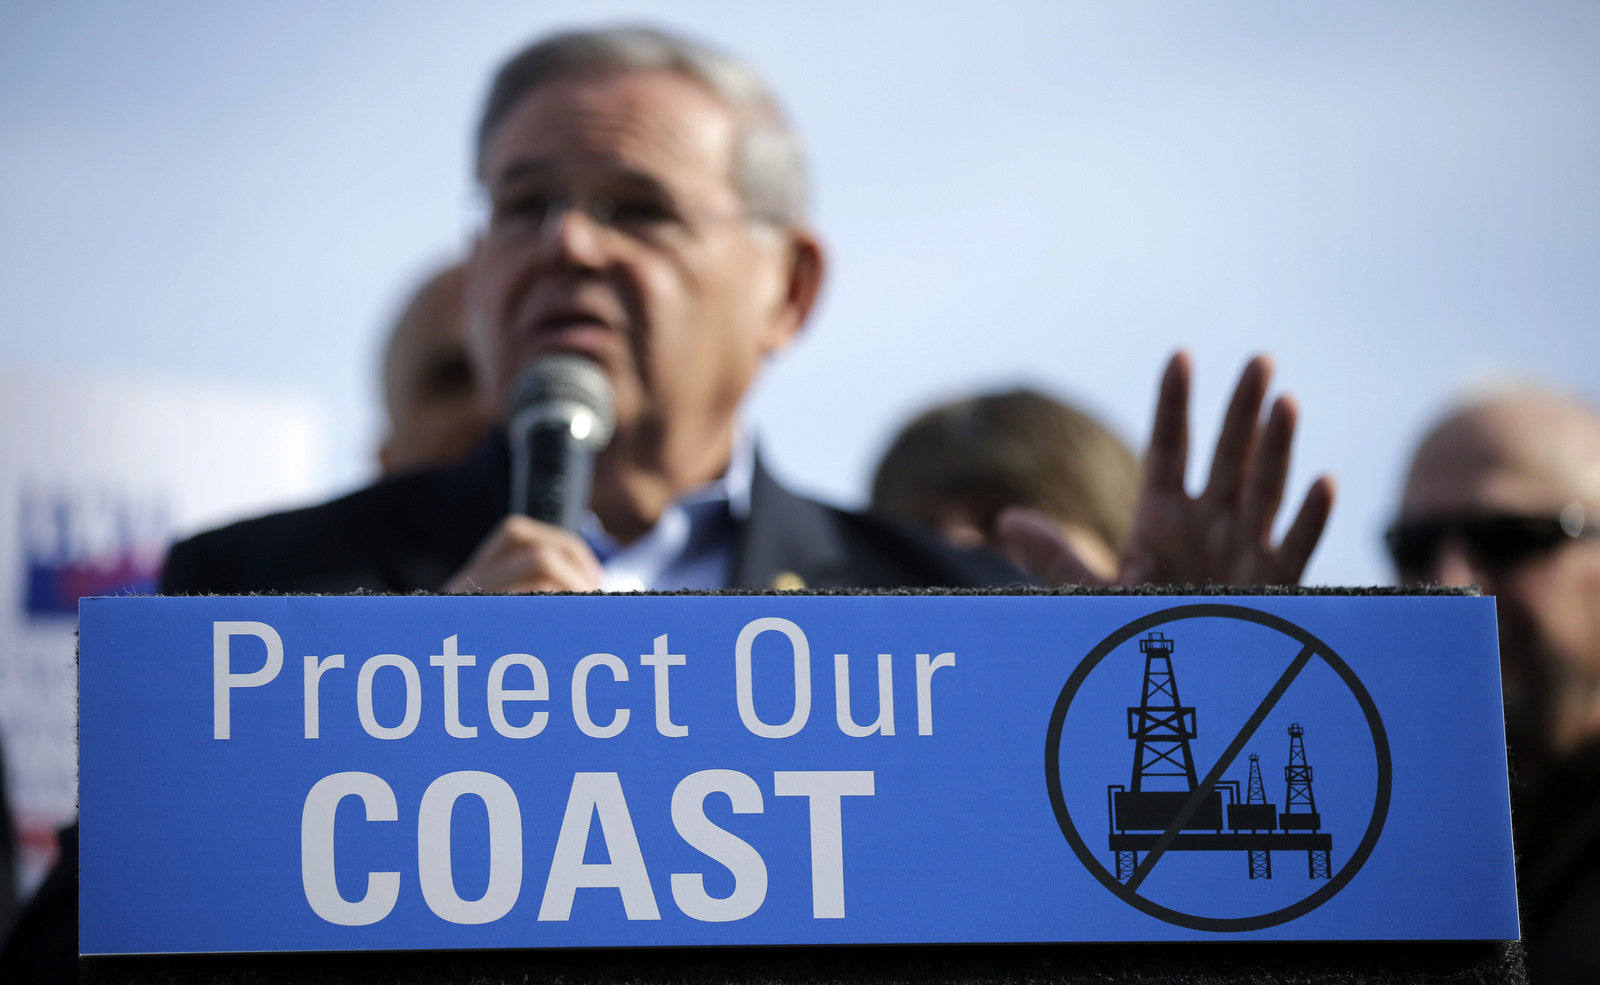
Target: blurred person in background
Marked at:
436, 416
646, 210
1223, 535
959, 464
1504, 493
8, 854
42, 946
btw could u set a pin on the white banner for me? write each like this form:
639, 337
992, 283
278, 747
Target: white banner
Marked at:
98, 475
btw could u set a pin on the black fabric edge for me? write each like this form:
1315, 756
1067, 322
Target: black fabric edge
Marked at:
1167, 963
1021, 588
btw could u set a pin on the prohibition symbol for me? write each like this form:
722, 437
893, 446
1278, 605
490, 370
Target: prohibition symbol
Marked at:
1208, 841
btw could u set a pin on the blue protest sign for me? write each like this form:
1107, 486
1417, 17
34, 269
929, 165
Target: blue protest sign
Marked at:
332, 773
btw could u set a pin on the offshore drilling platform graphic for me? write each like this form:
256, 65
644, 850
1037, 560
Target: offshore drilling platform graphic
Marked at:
1161, 727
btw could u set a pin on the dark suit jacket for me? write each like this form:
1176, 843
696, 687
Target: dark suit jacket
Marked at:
1557, 824
414, 531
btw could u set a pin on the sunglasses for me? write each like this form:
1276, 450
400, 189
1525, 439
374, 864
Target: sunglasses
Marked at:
1494, 541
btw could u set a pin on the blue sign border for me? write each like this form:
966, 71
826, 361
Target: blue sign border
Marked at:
938, 875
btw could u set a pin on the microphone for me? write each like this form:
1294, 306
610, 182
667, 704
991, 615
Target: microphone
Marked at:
560, 413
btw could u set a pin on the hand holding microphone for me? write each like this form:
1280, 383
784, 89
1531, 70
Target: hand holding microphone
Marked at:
559, 416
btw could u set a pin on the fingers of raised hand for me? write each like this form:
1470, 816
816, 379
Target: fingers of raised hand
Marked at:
1241, 426
523, 555
1035, 543
1269, 470
1306, 530
1168, 455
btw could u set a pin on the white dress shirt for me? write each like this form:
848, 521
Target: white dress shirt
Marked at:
694, 542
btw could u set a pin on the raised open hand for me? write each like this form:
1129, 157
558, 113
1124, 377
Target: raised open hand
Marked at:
1224, 535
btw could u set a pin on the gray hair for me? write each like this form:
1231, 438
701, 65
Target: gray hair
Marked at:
768, 166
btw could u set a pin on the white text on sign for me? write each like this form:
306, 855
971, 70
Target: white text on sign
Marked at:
594, 797
591, 718
521, 712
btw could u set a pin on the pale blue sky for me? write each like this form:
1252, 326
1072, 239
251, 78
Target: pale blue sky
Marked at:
1398, 200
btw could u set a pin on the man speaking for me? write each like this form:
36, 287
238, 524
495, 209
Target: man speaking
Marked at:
646, 211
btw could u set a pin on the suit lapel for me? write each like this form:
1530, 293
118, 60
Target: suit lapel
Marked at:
449, 515
786, 539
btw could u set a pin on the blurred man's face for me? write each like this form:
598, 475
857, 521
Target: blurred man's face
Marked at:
617, 232
1483, 504
435, 414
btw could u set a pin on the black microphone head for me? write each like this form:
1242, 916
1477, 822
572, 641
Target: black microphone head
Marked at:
564, 387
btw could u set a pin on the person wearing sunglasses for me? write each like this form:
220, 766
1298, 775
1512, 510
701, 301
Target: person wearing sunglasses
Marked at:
1504, 494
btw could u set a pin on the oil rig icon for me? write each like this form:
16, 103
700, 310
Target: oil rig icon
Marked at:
1164, 783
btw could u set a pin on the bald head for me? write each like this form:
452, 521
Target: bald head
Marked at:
1505, 494
428, 387
1530, 453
